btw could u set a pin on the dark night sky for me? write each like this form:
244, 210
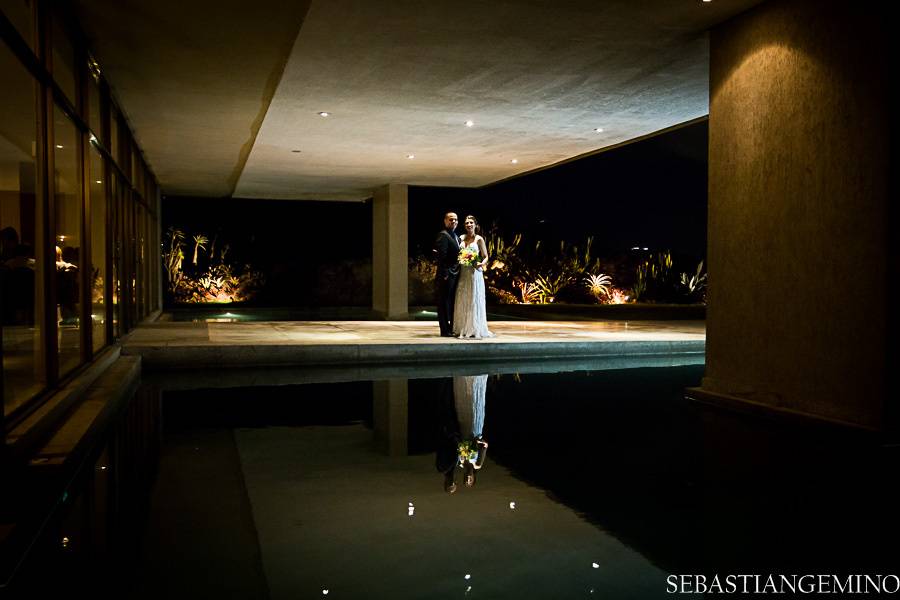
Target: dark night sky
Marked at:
650, 193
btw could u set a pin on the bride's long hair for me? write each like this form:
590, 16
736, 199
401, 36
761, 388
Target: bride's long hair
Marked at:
477, 226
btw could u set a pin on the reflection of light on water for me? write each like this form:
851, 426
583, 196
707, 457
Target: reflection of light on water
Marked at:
512, 506
468, 576
595, 565
324, 592
412, 509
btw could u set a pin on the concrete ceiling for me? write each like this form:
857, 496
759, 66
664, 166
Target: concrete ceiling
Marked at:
220, 94
194, 79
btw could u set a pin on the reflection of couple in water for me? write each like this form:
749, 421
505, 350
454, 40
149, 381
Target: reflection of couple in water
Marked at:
461, 445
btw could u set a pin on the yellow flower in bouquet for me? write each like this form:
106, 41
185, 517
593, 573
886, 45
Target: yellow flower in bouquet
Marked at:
468, 257
467, 451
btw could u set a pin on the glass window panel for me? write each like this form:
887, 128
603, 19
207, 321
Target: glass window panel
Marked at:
64, 62
68, 207
134, 168
98, 249
138, 259
21, 14
20, 257
115, 212
94, 118
131, 258
148, 263
114, 133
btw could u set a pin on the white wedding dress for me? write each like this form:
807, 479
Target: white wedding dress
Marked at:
468, 396
470, 307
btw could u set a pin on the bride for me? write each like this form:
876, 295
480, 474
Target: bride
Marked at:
469, 311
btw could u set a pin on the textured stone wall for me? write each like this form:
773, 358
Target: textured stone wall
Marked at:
798, 209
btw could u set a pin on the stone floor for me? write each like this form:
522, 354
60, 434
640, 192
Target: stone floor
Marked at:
253, 344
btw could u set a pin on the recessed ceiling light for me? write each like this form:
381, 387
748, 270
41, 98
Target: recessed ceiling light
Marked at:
324, 114
296, 151
515, 161
99, 181
470, 123
707, 0
60, 146
598, 129
410, 156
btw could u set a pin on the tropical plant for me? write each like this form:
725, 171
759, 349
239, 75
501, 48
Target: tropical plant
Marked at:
220, 282
173, 257
529, 292
200, 241
502, 253
573, 262
694, 285
617, 296
502, 296
549, 286
422, 269
640, 281
598, 285
654, 280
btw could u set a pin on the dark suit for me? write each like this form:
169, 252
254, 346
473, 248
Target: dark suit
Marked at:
446, 248
448, 438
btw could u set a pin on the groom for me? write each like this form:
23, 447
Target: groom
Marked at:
446, 248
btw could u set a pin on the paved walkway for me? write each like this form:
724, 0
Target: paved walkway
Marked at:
256, 344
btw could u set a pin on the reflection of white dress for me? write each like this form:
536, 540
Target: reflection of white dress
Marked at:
469, 309
468, 397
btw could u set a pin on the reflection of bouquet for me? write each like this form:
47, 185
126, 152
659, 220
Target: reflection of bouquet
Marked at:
468, 257
468, 451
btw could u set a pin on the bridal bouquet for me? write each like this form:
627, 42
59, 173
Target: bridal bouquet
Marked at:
468, 451
468, 257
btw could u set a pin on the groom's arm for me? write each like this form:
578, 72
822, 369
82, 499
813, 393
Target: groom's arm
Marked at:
441, 246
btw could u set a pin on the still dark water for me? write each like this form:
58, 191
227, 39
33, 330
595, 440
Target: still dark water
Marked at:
592, 484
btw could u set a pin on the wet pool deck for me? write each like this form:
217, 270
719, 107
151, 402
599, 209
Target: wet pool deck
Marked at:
215, 344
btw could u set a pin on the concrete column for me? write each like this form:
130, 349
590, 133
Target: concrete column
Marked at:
799, 248
390, 411
390, 270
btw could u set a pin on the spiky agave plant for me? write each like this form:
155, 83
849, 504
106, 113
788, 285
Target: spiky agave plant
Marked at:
529, 292
549, 286
598, 285
694, 284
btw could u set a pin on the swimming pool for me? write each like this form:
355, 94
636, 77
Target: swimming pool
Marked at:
592, 483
